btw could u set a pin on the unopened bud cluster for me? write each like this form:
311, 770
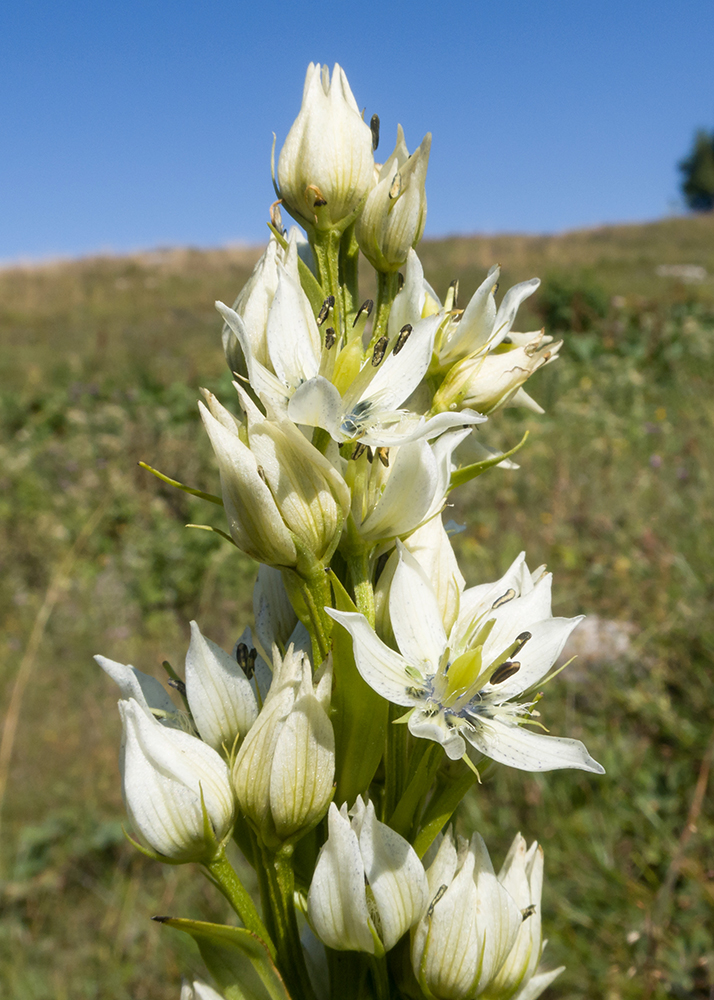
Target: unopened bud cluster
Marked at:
375, 676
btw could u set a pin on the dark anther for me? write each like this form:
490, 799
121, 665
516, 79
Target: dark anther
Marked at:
495, 288
439, 893
383, 456
179, 685
528, 911
379, 348
251, 655
400, 281
396, 187
261, 473
521, 640
366, 307
504, 599
324, 312
330, 338
402, 338
506, 670
370, 455
359, 450
455, 285
374, 125
242, 654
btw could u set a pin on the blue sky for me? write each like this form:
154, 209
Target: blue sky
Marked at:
141, 124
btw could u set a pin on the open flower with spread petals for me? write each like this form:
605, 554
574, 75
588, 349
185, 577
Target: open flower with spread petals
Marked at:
522, 876
326, 166
469, 926
369, 886
370, 410
460, 687
171, 782
392, 220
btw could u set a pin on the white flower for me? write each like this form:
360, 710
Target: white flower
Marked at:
199, 991
369, 886
469, 926
369, 411
219, 694
167, 775
490, 381
326, 166
522, 876
460, 687
278, 490
275, 618
143, 688
284, 772
392, 220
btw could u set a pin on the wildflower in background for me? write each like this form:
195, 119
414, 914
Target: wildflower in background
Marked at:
392, 220
522, 876
369, 886
284, 772
169, 778
460, 687
469, 927
326, 166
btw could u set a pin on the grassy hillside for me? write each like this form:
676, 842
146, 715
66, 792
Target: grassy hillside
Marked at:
101, 362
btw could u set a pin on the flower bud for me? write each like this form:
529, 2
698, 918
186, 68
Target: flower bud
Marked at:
469, 927
274, 615
279, 492
392, 220
219, 694
169, 779
522, 876
252, 306
284, 772
369, 886
326, 165
487, 382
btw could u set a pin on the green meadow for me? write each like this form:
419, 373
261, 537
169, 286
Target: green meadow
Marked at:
101, 363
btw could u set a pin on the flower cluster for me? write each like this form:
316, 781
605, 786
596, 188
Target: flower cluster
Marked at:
334, 743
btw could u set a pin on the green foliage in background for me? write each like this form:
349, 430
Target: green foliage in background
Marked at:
100, 362
698, 173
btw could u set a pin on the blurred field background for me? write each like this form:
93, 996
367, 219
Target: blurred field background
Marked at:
102, 359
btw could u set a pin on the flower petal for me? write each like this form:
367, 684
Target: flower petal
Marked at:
407, 496
384, 670
317, 403
519, 747
415, 615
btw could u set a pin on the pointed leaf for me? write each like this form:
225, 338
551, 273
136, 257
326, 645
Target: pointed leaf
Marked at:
236, 958
469, 472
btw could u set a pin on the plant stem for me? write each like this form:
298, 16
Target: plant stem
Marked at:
449, 793
224, 877
402, 819
380, 977
386, 290
349, 274
361, 578
277, 888
395, 762
348, 971
326, 247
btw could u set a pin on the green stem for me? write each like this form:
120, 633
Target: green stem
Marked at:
277, 890
449, 793
387, 285
403, 817
380, 977
326, 248
224, 877
349, 274
395, 762
348, 971
361, 578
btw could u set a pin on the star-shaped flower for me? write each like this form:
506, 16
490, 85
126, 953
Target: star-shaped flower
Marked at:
460, 687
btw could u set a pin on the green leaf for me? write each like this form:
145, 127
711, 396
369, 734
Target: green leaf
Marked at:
359, 714
181, 486
455, 781
236, 958
469, 472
